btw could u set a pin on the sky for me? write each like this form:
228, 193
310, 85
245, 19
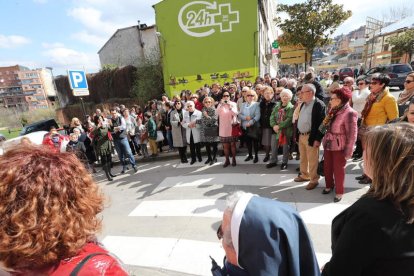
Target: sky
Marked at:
67, 34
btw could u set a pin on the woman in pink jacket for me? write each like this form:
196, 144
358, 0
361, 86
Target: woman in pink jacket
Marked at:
340, 128
227, 114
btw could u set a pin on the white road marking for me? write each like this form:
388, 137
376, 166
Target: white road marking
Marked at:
186, 256
180, 255
268, 180
213, 208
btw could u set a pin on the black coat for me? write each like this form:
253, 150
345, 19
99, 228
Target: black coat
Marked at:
266, 109
318, 114
371, 238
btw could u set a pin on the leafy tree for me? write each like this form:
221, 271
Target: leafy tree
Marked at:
149, 82
403, 44
311, 23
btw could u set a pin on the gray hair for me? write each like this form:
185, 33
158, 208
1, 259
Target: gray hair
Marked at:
231, 202
311, 87
190, 103
292, 82
287, 92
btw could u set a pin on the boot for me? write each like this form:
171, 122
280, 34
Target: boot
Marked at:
256, 158
105, 167
226, 163
233, 161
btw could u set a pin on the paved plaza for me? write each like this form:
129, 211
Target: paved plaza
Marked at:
163, 219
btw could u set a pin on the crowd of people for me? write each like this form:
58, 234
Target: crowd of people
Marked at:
288, 116
50, 230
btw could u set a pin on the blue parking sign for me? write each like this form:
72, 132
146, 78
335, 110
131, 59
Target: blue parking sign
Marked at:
77, 79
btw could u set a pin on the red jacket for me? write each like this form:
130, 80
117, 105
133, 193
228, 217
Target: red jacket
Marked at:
47, 140
104, 264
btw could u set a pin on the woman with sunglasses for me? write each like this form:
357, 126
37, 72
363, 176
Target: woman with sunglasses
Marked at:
209, 129
408, 94
358, 100
250, 120
227, 115
380, 108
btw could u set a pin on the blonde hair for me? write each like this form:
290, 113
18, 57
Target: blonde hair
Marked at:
251, 91
391, 157
74, 119
209, 98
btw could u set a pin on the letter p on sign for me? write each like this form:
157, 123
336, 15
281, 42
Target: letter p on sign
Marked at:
77, 79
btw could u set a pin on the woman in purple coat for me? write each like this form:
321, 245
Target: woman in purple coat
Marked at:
340, 128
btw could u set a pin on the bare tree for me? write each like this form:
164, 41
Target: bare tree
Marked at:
399, 12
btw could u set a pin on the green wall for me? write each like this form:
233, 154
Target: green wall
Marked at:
204, 38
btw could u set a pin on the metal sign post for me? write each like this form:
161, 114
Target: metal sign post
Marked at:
79, 85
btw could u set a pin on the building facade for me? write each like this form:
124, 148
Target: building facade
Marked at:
130, 46
203, 42
25, 89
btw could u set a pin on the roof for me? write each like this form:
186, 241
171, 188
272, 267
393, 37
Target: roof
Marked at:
407, 22
119, 30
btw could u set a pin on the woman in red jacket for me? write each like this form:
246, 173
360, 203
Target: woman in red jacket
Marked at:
48, 207
340, 128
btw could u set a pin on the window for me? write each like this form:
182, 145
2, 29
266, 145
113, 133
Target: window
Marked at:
401, 69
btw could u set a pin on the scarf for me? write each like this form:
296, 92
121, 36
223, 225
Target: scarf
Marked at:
326, 123
405, 96
281, 116
372, 98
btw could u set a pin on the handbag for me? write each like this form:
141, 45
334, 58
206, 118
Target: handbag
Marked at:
320, 167
211, 131
144, 136
236, 130
253, 131
160, 136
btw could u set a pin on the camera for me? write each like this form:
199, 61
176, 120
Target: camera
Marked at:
226, 102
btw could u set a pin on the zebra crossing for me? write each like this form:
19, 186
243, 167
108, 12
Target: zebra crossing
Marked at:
168, 224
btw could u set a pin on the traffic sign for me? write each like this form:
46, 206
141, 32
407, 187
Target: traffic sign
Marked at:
77, 79
78, 82
275, 44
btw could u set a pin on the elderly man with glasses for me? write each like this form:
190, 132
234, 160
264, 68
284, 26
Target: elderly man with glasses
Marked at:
261, 236
312, 113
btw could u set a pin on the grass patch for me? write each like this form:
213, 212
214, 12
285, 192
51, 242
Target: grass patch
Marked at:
13, 133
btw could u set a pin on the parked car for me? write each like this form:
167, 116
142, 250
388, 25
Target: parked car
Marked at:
44, 125
396, 72
35, 137
346, 72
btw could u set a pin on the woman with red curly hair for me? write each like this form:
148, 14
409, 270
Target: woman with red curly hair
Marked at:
48, 207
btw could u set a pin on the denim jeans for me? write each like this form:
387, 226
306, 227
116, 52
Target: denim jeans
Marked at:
170, 139
124, 151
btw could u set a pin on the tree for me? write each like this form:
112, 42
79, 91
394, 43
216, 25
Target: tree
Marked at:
149, 82
403, 44
311, 23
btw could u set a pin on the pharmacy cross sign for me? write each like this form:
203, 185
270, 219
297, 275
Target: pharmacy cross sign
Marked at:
202, 18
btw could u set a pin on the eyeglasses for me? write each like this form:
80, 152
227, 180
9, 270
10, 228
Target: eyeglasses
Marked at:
249, 96
220, 232
348, 82
188, 106
408, 81
361, 83
374, 83
225, 96
207, 102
